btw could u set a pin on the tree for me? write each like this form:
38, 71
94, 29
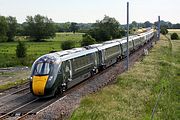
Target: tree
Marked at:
176, 26
20, 30
40, 27
21, 50
73, 27
63, 27
164, 30
87, 40
174, 36
147, 24
12, 28
134, 24
68, 44
106, 29
3, 29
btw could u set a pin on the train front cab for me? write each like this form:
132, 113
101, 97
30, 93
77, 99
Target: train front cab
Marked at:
43, 78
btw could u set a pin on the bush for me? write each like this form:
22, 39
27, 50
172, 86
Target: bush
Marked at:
87, 40
164, 31
21, 50
3, 39
65, 45
174, 36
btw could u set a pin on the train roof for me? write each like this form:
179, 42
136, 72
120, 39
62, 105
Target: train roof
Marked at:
109, 42
104, 46
136, 37
93, 46
67, 52
125, 40
57, 55
78, 54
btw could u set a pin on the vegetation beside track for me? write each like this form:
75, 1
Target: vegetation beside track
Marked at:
136, 92
34, 49
12, 84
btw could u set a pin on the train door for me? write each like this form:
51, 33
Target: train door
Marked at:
103, 56
67, 76
95, 57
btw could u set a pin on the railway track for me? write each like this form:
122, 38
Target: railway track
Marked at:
35, 105
13, 93
30, 108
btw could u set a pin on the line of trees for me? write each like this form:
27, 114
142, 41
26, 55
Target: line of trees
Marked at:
73, 27
8, 27
37, 28
146, 24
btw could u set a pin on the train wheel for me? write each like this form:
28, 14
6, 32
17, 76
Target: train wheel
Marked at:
118, 59
104, 67
59, 91
93, 72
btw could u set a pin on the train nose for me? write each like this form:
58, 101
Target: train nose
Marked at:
38, 84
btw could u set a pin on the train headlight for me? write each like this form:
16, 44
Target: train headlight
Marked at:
30, 78
50, 78
50, 82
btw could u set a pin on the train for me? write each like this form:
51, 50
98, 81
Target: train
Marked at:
54, 73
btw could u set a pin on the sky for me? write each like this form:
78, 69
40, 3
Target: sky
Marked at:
88, 11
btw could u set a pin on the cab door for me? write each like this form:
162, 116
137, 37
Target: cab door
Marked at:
67, 76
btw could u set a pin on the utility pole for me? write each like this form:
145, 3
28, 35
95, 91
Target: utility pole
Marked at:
127, 36
159, 27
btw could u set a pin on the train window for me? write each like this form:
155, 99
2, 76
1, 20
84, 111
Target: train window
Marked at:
42, 68
110, 51
60, 70
82, 61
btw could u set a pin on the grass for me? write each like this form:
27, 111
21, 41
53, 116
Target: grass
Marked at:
12, 84
34, 49
135, 93
170, 31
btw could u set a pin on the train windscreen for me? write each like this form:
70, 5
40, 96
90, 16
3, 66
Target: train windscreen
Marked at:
42, 68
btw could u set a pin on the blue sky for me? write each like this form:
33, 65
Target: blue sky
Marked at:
92, 10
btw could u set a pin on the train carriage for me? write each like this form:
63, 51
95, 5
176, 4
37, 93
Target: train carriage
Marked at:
110, 52
136, 42
79, 66
123, 45
144, 37
151, 35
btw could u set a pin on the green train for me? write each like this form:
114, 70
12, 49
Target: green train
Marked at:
58, 71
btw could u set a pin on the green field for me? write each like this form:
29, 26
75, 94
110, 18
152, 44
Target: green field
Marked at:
34, 49
174, 30
135, 93
170, 31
